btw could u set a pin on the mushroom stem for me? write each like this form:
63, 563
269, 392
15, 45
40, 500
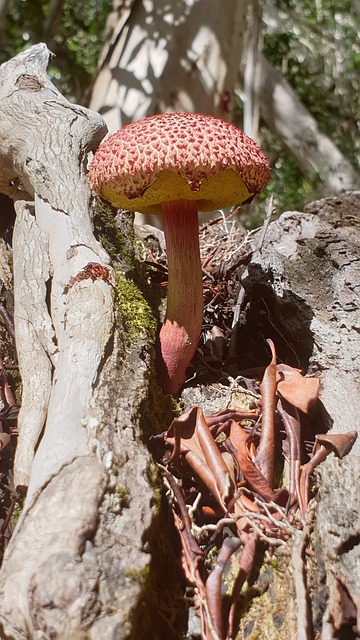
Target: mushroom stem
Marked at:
180, 332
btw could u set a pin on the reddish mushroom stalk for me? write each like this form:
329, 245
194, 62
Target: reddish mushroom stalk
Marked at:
181, 330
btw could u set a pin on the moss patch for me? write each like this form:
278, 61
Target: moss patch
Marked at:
119, 245
135, 313
267, 605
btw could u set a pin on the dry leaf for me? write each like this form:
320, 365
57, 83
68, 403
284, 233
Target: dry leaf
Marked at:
250, 471
293, 387
190, 436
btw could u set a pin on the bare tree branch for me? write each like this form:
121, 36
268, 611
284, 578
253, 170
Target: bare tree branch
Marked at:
313, 151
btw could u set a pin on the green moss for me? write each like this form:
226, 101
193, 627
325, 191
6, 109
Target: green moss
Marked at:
18, 507
135, 312
154, 479
122, 497
140, 576
266, 606
120, 246
158, 408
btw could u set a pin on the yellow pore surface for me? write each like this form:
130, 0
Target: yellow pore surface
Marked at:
218, 191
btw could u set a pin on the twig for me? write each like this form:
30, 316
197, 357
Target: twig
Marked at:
192, 545
285, 523
215, 527
272, 541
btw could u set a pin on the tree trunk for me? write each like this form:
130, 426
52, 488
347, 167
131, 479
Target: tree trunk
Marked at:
76, 565
314, 152
169, 57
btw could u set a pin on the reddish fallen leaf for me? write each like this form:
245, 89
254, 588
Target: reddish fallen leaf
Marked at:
247, 559
213, 587
191, 437
231, 414
265, 454
190, 546
250, 471
248, 504
4, 440
340, 443
290, 419
235, 471
293, 387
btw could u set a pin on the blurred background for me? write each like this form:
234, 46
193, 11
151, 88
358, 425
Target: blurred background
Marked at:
285, 71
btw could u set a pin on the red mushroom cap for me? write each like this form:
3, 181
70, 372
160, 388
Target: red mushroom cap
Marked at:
176, 156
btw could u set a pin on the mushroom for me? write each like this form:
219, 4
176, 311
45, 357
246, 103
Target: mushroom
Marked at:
178, 164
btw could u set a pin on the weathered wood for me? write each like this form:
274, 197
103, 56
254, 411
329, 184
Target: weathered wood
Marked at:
306, 281
75, 565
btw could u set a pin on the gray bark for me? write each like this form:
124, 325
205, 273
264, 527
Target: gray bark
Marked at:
66, 571
308, 275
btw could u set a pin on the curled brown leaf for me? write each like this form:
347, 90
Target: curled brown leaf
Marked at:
250, 471
295, 388
340, 444
265, 454
290, 419
191, 437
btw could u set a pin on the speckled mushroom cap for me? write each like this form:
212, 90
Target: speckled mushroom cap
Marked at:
175, 156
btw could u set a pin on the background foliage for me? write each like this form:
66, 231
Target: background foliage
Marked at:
76, 44
316, 46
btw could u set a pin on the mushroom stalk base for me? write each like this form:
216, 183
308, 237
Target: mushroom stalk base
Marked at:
180, 332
